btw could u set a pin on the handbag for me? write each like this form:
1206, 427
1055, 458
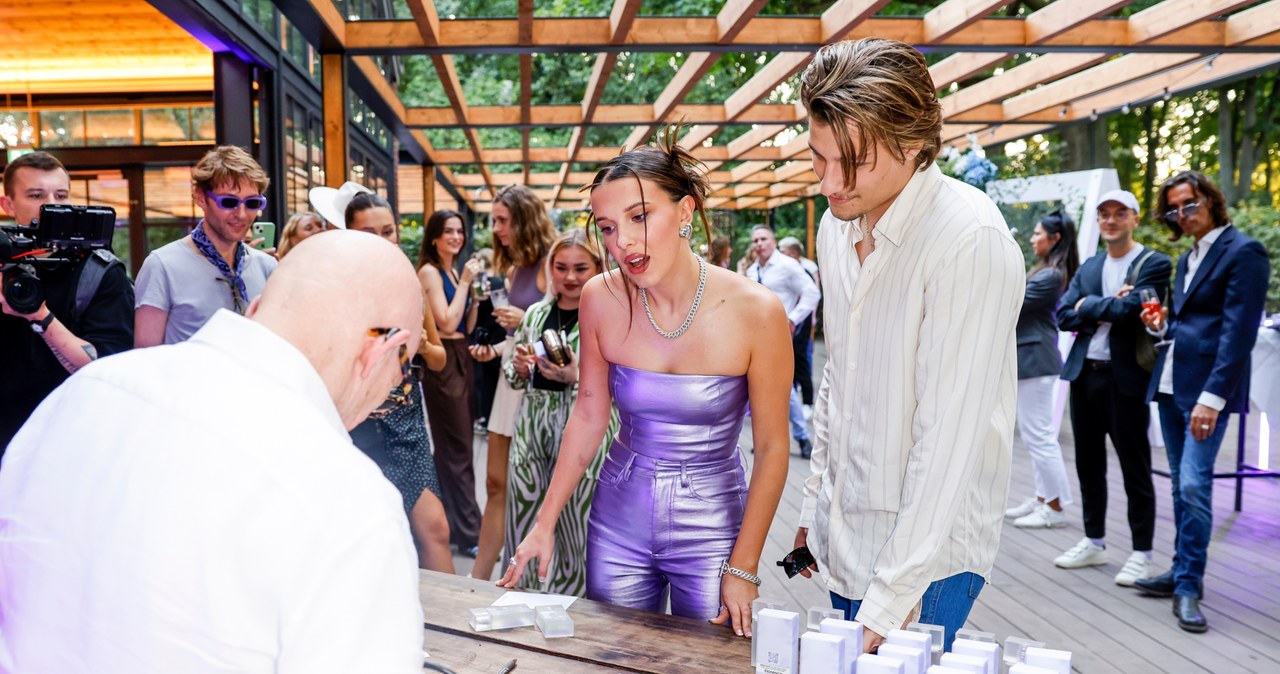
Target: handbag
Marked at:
1144, 345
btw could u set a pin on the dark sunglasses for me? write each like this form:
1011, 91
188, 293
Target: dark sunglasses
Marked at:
409, 371
1187, 210
227, 202
796, 561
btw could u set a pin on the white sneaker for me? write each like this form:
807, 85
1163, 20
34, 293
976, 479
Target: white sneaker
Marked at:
1138, 567
1022, 510
1042, 517
1085, 553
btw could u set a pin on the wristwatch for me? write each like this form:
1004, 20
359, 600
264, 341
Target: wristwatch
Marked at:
40, 326
749, 577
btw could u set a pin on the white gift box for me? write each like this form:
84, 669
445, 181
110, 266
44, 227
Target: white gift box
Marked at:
851, 632
777, 639
915, 659
1058, 661
981, 649
821, 653
879, 664
967, 663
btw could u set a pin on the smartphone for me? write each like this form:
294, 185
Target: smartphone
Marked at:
265, 231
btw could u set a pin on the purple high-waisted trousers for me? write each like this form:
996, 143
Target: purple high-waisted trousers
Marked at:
671, 493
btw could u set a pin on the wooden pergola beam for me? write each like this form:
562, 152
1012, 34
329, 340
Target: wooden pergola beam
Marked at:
425, 18
621, 19
1019, 78
1172, 15
524, 15
733, 17
1254, 23
1057, 18
962, 65
952, 16
576, 115
1190, 30
840, 18
1110, 74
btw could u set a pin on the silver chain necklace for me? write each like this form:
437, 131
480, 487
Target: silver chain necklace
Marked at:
693, 310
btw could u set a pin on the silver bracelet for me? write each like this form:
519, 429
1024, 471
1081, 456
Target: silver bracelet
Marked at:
749, 577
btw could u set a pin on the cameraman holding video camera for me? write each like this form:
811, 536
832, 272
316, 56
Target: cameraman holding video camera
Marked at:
40, 349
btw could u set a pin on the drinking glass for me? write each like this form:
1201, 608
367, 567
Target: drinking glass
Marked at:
1151, 302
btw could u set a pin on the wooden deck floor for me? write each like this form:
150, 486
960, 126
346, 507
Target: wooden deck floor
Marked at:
1108, 628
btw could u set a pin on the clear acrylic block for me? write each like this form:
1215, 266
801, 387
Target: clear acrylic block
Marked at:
554, 621
500, 617
817, 614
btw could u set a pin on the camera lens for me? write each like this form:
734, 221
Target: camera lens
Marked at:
22, 289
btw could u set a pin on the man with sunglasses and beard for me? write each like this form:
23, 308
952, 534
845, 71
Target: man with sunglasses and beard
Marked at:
138, 533
1203, 376
182, 284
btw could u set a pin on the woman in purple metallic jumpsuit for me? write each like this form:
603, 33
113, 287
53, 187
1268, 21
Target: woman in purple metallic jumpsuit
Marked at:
681, 347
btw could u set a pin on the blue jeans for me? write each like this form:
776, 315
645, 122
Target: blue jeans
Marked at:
946, 602
1191, 471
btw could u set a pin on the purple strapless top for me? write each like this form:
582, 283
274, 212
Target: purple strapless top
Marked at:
678, 417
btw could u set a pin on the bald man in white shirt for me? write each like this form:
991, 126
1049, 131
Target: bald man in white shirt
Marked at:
914, 417
200, 508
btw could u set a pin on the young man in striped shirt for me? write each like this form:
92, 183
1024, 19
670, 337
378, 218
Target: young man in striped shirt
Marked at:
914, 417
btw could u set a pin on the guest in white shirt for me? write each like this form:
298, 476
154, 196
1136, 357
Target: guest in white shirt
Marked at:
802, 342
200, 508
914, 418
799, 294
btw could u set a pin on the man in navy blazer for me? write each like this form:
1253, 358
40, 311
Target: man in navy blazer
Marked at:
1108, 386
1217, 305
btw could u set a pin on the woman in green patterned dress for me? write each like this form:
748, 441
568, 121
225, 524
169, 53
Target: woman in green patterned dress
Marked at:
550, 392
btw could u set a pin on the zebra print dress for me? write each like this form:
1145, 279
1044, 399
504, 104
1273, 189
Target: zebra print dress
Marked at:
540, 423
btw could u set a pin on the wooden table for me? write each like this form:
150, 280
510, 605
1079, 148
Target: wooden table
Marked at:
607, 638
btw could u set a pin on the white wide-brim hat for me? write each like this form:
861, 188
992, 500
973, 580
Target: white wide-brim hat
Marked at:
331, 204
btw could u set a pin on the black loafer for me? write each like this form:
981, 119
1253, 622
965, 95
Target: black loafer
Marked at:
1159, 586
806, 448
1187, 609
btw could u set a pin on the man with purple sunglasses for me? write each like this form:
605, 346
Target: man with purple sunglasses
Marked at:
182, 284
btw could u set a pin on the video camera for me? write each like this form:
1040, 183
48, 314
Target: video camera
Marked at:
61, 234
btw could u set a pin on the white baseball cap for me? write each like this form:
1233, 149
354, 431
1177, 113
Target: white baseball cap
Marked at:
1122, 197
331, 204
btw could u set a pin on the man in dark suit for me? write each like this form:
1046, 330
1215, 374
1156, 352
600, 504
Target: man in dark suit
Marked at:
1108, 385
1204, 375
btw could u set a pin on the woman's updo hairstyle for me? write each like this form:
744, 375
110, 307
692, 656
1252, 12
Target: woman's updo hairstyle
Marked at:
664, 163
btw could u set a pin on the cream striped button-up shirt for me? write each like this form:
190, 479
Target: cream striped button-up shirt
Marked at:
914, 417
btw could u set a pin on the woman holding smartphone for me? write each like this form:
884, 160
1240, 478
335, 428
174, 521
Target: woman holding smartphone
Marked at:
550, 383
522, 234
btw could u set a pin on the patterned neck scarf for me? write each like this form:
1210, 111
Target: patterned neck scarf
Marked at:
234, 279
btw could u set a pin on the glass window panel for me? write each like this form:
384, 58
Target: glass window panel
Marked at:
16, 129
165, 125
168, 192
62, 128
110, 127
202, 124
